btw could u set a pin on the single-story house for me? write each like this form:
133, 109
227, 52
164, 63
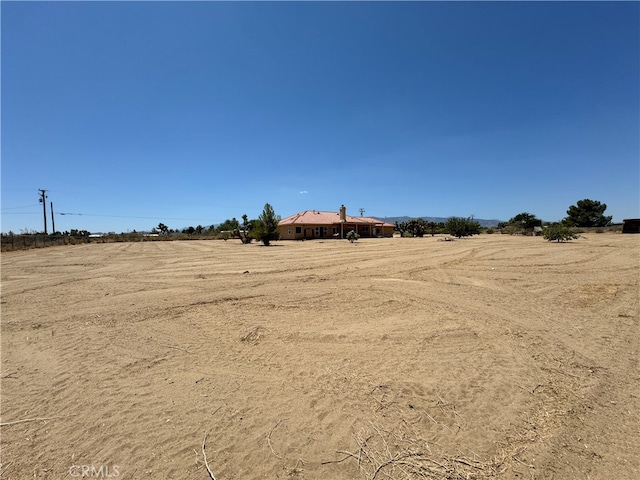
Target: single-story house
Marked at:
312, 224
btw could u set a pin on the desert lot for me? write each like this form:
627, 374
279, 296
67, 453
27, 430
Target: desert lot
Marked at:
488, 357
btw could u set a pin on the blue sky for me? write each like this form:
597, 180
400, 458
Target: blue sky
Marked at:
135, 113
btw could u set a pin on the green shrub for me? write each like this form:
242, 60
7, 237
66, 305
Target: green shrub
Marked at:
559, 233
352, 236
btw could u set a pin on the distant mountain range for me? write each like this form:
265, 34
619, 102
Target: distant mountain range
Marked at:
482, 222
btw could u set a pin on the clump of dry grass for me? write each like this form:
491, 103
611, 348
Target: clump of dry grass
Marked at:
255, 336
391, 445
398, 456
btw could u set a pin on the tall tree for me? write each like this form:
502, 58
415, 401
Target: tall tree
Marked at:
587, 213
228, 225
416, 227
163, 228
243, 233
523, 222
266, 228
462, 227
526, 220
432, 226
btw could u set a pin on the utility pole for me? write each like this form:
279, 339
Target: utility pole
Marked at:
43, 196
53, 221
361, 211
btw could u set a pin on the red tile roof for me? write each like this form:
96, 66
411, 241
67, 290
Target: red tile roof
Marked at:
315, 217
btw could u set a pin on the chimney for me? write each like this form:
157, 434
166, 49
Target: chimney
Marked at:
343, 213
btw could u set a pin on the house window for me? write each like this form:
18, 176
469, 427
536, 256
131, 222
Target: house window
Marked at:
335, 230
365, 228
298, 229
289, 231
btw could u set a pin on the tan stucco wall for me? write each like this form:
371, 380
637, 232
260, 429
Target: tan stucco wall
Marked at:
288, 232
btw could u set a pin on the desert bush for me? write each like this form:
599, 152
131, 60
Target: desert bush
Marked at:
559, 233
352, 236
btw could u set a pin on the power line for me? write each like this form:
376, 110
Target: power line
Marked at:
21, 213
157, 217
16, 208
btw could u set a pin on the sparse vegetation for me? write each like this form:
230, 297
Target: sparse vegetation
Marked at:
416, 227
523, 223
228, 226
559, 233
586, 215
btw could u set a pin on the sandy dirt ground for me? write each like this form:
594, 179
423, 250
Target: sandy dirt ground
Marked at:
488, 357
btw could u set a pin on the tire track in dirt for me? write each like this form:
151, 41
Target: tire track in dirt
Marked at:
489, 347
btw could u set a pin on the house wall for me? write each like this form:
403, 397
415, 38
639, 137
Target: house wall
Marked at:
288, 232
313, 231
307, 231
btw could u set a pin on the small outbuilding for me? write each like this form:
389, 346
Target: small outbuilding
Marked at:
631, 225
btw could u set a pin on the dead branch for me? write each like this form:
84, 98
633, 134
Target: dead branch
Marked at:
521, 462
348, 455
204, 454
269, 438
396, 459
470, 463
391, 454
